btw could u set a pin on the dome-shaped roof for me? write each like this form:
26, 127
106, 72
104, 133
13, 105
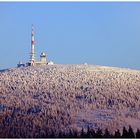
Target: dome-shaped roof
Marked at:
50, 63
43, 54
20, 62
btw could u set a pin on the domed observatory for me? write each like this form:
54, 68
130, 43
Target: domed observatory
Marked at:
50, 63
20, 64
43, 58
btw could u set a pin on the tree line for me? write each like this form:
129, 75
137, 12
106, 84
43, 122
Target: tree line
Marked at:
91, 133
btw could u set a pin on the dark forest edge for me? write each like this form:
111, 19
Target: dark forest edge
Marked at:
91, 133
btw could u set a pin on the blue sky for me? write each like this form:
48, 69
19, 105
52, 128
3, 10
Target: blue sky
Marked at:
100, 33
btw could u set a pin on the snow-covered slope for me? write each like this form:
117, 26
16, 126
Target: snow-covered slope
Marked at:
36, 100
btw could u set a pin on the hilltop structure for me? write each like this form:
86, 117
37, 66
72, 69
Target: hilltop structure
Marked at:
33, 61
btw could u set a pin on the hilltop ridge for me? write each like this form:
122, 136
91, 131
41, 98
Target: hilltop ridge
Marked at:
35, 100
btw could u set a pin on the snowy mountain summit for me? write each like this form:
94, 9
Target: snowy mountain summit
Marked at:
38, 99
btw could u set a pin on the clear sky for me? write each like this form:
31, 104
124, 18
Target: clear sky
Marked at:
71, 32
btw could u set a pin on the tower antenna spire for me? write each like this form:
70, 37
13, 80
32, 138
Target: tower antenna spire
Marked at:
32, 27
32, 59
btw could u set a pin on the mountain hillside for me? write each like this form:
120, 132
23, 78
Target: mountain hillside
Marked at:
36, 100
